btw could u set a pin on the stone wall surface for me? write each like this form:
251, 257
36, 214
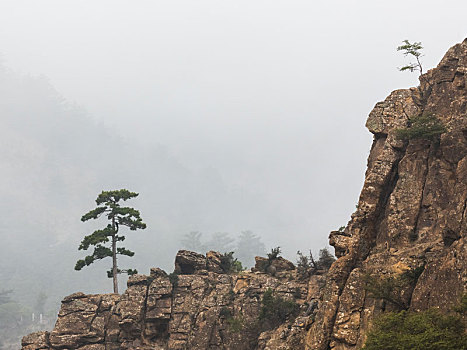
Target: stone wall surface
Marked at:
411, 212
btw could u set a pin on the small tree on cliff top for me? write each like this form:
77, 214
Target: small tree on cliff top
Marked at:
413, 50
108, 205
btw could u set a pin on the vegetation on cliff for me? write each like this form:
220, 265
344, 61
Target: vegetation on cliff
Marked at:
413, 50
108, 204
275, 309
427, 330
425, 126
393, 289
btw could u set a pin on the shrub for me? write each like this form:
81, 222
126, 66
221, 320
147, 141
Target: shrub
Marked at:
428, 330
325, 259
274, 254
229, 264
235, 324
276, 310
390, 288
305, 265
425, 126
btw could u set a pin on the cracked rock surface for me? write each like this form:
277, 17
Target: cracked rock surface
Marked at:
411, 214
412, 211
202, 309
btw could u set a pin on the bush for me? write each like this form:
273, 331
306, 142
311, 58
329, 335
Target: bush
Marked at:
274, 254
235, 324
325, 259
305, 265
390, 288
425, 126
276, 310
428, 330
229, 264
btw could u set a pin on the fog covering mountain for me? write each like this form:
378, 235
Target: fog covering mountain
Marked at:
56, 159
225, 117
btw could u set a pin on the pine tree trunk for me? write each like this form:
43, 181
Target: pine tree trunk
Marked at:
114, 257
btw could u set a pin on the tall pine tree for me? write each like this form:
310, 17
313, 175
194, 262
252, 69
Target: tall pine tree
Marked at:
108, 205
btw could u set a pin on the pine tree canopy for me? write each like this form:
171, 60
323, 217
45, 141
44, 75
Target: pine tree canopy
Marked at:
109, 205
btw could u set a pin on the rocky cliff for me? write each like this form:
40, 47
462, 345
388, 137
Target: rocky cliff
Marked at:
411, 220
412, 211
198, 307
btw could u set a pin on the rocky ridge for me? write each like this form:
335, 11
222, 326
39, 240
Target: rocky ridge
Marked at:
411, 215
198, 307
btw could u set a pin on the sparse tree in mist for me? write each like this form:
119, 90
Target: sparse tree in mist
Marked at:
249, 245
108, 204
220, 242
192, 241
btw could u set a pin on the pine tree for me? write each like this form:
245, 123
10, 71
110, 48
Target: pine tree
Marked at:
108, 205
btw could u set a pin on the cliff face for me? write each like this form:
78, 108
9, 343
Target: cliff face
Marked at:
201, 308
411, 216
411, 212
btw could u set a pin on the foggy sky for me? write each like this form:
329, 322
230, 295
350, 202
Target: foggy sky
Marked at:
270, 95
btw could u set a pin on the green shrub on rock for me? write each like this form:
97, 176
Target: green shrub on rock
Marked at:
425, 126
325, 259
427, 330
391, 289
229, 264
275, 309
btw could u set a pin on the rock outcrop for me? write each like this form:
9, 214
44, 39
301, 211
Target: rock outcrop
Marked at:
411, 220
411, 215
197, 307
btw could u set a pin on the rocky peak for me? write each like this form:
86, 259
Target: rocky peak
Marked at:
411, 215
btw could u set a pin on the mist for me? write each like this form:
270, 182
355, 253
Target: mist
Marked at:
224, 116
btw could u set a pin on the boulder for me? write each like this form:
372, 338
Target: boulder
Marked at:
281, 264
214, 263
190, 263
